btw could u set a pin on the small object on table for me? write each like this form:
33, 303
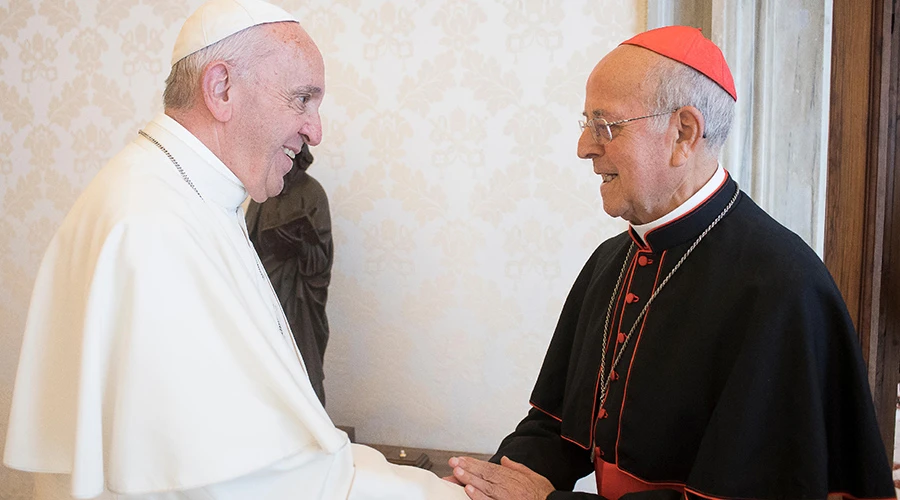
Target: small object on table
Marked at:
425, 458
402, 458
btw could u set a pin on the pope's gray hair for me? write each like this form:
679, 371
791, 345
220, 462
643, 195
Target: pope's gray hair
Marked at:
240, 50
679, 85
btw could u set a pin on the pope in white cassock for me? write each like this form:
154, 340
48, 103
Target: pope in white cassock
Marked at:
156, 361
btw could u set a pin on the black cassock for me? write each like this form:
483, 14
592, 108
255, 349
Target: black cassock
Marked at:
292, 234
743, 380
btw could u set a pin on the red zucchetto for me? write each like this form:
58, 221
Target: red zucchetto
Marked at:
688, 46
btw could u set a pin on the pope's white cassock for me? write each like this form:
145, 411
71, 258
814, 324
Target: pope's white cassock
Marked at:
156, 361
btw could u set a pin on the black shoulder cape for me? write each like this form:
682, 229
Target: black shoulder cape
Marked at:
743, 380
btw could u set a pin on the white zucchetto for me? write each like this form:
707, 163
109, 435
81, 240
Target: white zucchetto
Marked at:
218, 19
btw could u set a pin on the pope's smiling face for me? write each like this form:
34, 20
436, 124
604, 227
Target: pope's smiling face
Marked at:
278, 110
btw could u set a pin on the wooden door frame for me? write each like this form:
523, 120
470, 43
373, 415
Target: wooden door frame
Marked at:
862, 228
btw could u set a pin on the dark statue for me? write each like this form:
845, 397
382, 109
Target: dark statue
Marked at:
292, 234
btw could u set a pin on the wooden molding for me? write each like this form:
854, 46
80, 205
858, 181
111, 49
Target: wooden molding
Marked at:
861, 209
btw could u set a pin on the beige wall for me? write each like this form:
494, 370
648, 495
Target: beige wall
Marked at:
461, 213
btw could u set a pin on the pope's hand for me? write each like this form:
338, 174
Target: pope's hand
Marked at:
508, 481
451, 479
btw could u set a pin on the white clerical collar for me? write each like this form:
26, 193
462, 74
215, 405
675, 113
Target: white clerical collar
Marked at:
693, 202
213, 180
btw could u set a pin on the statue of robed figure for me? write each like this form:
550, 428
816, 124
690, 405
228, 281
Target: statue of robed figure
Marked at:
292, 234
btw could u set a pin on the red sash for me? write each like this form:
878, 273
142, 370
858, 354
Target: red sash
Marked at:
613, 482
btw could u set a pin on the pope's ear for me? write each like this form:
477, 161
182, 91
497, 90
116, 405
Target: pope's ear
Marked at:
215, 85
691, 126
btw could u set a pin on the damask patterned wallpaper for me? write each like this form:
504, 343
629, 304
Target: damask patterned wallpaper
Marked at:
461, 212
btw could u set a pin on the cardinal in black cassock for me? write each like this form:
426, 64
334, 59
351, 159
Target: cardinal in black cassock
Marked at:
706, 352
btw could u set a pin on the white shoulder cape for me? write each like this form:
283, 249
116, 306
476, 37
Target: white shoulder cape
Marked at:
152, 357
156, 361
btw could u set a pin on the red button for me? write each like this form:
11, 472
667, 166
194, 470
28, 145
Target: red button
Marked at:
643, 260
631, 298
602, 414
614, 376
620, 338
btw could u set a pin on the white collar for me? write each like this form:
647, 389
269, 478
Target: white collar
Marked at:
717, 179
212, 178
